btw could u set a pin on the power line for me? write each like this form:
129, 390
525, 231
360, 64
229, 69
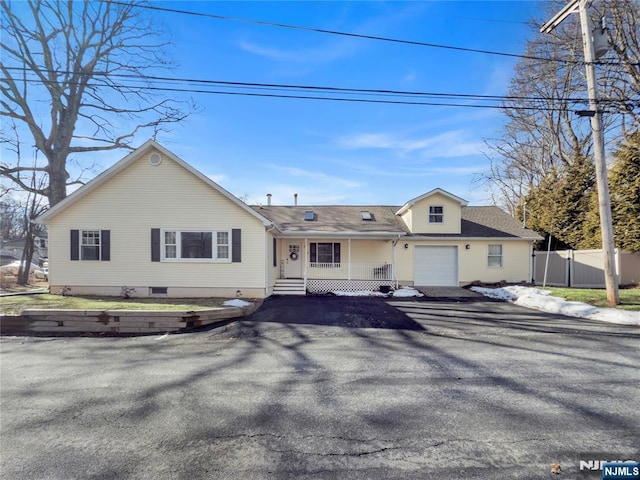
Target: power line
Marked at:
540, 108
304, 88
345, 34
368, 37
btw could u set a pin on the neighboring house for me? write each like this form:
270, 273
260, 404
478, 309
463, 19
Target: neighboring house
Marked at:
41, 249
10, 251
153, 223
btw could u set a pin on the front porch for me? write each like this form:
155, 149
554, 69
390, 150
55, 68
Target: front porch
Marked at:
322, 265
345, 276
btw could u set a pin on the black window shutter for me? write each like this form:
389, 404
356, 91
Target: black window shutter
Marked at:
313, 253
236, 245
105, 245
75, 245
275, 252
336, 253
155, 244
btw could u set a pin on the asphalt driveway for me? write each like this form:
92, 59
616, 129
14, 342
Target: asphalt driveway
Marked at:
326, 387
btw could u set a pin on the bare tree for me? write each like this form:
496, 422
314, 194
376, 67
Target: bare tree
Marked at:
33, 207
543, 133
11, 215
89, 61
23, 211
622, 88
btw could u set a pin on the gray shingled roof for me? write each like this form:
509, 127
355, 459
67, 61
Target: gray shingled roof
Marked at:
493, 222
478, 222
334, 219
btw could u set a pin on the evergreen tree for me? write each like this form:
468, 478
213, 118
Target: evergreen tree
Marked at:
624, 183
560, 204
624, 188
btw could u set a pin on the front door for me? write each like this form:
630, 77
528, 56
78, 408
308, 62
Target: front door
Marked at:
293, 262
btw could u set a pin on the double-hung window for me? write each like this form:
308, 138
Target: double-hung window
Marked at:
91, 245
494, 258
326, 253
436, 214
222, 245
196, 245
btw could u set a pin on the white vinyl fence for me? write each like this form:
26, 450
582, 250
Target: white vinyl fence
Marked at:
583, 268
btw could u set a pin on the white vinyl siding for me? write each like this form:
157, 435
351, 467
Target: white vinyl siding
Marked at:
424, 216
143, 197
472, 262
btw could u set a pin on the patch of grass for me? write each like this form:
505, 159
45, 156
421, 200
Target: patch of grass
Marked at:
629, 297
14, 305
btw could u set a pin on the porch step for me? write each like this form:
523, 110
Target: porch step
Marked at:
288, 286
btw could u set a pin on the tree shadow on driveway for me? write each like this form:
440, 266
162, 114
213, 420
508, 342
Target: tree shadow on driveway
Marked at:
332, 311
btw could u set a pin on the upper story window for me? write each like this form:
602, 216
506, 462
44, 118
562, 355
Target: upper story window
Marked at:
196, 245
436, 214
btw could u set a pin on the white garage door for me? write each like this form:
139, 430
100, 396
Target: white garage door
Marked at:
435, 266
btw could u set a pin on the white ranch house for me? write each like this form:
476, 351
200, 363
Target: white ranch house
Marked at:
153, 223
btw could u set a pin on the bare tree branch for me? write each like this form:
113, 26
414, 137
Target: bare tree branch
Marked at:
549, 136
64, 53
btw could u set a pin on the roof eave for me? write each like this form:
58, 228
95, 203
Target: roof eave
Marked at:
412, 202
462, 237
342, 234
123, 163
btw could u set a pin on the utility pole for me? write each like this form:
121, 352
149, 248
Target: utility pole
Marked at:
604, 201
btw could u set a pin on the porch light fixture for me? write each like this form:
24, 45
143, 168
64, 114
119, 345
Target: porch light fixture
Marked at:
406, 245
467, 246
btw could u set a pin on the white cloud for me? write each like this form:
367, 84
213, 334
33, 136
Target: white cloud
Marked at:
218, 178
328, 52
399, 171
320, 177
454, 143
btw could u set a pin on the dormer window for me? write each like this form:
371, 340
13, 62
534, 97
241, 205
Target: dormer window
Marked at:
436, 214
309, 216
367, 216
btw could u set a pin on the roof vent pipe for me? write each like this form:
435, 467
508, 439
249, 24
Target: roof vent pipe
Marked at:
295, 199
268, 199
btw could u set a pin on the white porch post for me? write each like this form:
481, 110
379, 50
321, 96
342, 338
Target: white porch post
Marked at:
306, 252
349, 259
393, 262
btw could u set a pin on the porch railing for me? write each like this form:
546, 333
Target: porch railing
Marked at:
350, 271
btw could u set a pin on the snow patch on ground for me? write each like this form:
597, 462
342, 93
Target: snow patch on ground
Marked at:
401, 292
236, 303
542, 300
407, 292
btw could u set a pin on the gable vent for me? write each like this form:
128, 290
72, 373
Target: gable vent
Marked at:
155, 159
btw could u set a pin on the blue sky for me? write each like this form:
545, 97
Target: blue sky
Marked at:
331, 152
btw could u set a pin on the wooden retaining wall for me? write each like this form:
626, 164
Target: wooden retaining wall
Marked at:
116, 321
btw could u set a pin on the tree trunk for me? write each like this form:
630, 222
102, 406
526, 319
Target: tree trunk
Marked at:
58, 176
27, 256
